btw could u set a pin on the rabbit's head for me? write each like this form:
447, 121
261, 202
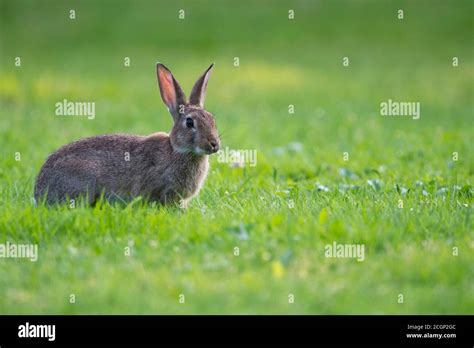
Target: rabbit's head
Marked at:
194, 128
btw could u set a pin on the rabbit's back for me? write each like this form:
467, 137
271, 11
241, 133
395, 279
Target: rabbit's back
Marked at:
109, 163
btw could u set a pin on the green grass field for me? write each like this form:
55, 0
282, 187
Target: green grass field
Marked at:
402, 193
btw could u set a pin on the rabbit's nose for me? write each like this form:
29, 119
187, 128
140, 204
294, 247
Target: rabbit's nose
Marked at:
214, 145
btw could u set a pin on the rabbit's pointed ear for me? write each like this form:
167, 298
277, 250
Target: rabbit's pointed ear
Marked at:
198, 94
171, 92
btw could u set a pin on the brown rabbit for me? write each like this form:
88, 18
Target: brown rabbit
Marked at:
159, 167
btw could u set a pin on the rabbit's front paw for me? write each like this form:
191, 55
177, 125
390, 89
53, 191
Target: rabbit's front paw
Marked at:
183, 203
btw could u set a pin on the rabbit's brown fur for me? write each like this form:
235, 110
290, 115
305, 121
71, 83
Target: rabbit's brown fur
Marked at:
160, 167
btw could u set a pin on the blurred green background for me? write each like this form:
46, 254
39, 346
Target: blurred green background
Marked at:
409, 250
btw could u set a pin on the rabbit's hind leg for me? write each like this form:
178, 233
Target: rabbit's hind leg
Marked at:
71, 182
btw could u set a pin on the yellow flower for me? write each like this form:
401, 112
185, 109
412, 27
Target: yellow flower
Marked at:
277, 269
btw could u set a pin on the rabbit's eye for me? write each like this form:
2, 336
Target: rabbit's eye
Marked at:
189, 122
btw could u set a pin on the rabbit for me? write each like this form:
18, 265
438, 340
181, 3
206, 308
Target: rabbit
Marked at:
165, 168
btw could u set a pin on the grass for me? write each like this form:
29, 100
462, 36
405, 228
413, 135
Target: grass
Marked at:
408, 250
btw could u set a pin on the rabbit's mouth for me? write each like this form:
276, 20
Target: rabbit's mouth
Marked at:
208, 151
